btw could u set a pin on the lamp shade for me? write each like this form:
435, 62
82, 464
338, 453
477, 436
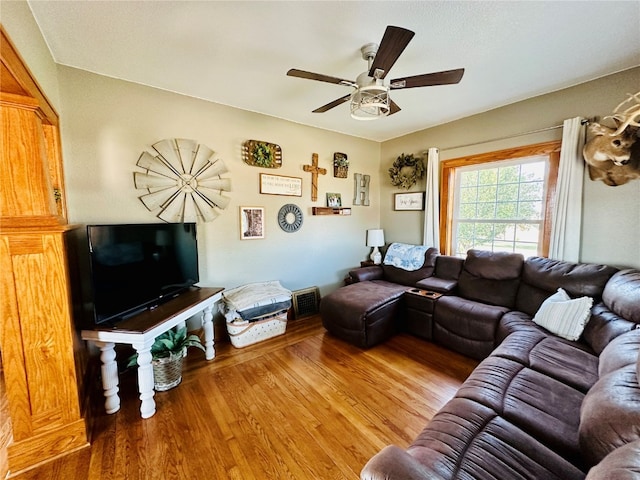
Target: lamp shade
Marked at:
375, 238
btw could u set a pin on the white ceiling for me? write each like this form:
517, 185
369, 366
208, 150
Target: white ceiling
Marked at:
237, 53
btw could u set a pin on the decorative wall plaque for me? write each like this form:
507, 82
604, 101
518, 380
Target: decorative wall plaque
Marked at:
361, 189
183, 181
408, 201
261, 154
340, 165
280, 185
290, 218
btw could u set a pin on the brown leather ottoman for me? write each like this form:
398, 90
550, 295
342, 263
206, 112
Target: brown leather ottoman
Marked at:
364, 313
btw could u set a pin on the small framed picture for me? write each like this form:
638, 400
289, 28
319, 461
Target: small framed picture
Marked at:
334, 200
251, 223
409, 201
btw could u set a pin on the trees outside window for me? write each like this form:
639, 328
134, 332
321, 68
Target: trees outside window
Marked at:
499, 201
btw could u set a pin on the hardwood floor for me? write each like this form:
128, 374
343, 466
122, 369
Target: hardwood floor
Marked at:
304, 405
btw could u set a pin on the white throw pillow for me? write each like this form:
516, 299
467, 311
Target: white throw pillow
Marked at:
564, 316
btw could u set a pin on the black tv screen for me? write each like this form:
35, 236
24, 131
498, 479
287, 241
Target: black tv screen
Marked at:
136, 267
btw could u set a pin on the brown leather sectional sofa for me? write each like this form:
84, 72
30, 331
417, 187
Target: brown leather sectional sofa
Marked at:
538, 406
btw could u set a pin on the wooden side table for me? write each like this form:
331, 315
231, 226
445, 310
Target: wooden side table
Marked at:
140, 331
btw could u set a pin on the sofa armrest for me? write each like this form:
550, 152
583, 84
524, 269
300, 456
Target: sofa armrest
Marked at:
393, 463
435, 284
362, 274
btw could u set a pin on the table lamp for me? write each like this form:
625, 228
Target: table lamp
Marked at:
375, 239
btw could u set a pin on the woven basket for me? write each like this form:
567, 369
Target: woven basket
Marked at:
340, 172
243, 334
167, 371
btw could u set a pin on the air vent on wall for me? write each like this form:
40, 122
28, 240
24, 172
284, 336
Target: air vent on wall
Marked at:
306, 302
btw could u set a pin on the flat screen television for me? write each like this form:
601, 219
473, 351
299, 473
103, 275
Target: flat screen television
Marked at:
135, 267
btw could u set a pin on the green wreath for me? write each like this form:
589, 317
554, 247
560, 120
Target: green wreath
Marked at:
406, 171
262, 155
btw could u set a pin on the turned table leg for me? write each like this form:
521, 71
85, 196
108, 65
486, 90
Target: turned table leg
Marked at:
207, 327
145, 378
109, 371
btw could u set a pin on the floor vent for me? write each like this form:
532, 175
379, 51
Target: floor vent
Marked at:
306, 302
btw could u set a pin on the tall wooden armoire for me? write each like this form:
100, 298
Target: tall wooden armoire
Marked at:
37, 336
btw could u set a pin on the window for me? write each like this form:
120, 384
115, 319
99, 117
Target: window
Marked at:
500, 201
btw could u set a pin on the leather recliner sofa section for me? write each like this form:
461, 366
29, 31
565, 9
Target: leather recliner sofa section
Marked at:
538, 406
364, 313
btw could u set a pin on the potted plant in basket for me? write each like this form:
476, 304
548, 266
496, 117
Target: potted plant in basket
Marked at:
167, 353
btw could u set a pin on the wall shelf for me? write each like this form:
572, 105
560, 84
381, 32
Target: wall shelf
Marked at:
331, 211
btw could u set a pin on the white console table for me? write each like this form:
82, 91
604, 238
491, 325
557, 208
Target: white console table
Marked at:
140, 331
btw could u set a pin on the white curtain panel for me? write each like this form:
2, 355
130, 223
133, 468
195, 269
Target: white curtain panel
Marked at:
566, 225
432, 204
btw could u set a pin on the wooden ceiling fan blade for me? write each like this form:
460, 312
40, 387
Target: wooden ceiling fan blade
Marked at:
393, 43
330, 105
393, 108
320, 77
448, 77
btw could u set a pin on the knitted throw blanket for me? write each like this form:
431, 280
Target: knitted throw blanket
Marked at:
405, 256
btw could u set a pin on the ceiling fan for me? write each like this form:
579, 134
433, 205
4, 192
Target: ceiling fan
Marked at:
370, 99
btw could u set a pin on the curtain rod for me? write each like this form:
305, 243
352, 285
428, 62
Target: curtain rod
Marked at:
531, 132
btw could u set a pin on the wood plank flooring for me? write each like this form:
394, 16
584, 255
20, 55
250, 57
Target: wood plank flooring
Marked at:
304, 405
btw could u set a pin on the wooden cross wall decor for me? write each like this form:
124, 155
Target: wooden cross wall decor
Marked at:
315, 170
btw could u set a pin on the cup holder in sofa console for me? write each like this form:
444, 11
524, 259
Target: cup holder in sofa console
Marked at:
425, 293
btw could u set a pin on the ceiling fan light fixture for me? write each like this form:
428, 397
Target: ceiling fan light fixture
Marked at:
370, 103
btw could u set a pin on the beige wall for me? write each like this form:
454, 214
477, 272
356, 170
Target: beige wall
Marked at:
108, 123
24, 32
611, 215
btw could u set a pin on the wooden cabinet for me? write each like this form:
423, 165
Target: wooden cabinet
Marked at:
36, 330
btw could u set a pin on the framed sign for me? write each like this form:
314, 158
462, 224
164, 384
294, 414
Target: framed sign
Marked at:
280, 185
409, 201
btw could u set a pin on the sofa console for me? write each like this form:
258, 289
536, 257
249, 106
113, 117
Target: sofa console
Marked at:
420, 304
552, 398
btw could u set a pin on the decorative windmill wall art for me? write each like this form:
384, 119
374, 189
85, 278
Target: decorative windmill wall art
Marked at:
183, 181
